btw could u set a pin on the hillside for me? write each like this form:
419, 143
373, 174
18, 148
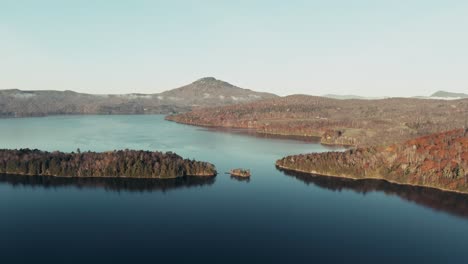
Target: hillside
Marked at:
201, 93
437, 160
340, 122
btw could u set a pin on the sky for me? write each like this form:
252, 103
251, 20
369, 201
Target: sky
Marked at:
363, 47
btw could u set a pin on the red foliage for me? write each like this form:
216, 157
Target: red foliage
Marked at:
437, 160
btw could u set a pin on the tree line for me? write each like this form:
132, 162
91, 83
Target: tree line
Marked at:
117, 163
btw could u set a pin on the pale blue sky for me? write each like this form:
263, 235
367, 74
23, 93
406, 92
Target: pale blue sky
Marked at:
365, 47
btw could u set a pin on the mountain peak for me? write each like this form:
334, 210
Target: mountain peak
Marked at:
213, 92
206, 79
210, 82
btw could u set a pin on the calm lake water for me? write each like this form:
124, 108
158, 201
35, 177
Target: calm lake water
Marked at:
274, 217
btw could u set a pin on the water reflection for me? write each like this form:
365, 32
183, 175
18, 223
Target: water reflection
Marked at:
254, 133
241, 179
109, 184
450, 202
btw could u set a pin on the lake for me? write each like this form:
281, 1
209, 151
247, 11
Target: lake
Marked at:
273, 217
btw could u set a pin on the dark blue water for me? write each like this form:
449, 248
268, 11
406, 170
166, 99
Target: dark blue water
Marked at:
274, 217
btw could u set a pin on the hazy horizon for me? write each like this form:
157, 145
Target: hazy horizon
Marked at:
366, 48
328, 94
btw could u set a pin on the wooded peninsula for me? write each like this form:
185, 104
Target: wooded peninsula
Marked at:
438, 160
337, 122
118, 163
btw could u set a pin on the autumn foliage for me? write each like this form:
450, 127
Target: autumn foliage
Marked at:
122, 163
337, 122
437, 160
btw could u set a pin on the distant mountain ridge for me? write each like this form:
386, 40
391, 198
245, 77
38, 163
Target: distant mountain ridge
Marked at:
204, 92
444, 94
351, 96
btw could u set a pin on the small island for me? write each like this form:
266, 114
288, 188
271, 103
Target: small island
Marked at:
111, 164
437, 160
243, 173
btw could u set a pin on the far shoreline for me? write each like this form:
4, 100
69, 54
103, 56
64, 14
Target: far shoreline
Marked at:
261, 134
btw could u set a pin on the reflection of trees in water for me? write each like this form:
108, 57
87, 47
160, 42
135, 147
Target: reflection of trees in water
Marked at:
450, 202
241, 179
110, 184
254, 133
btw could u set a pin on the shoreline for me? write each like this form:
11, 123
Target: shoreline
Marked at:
256, 133
286, 169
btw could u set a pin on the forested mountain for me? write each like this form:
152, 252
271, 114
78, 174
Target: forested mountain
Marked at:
340, 122
438, 160
201, 93
122, 163
212, 92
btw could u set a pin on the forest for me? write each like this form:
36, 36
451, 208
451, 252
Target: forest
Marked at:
438, 160
117, 163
